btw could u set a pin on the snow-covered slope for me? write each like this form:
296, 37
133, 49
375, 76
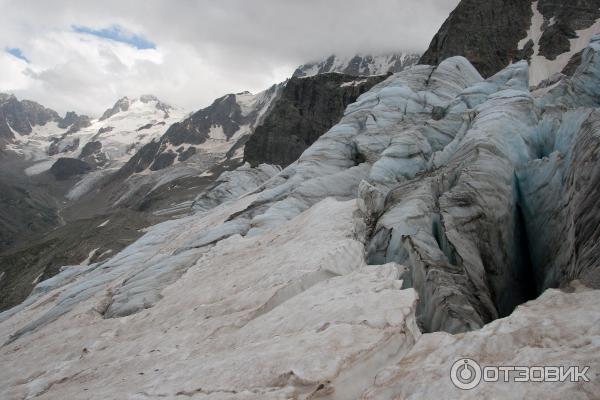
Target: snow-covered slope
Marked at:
359, 65
435, 183
107, 142
211, 132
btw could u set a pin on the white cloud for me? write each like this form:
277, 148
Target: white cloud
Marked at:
204, 49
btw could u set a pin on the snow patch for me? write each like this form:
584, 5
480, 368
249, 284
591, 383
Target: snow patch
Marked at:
540, 68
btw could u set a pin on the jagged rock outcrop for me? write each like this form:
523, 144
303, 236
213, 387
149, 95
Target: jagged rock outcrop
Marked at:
121, 105
92, 154
359, 65
492, 34
74, 122
487, 33
562, 20
306, 109
22, 116
66, 168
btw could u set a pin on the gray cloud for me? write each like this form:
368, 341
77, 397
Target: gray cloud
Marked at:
204, 48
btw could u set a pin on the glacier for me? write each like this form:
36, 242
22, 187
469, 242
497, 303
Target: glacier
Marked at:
445, 215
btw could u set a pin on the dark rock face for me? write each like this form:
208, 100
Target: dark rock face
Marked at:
90, 148
93, 155
22, 115
307, 108
140, 160
25, 209
485, 32
488, 32
574, 62
567, 17
55, 146
74, 122
121, 105
555, 40
65, 168
224, 111
359, 65
163, 160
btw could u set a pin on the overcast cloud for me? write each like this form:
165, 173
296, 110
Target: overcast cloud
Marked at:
190, 52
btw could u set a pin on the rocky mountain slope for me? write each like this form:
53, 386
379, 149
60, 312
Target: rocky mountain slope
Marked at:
212, 130
306, 109
492, 34
440, 203
21, 119
359, 65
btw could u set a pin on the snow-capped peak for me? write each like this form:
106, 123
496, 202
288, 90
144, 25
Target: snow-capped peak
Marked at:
359, 64
144, 102
107, 142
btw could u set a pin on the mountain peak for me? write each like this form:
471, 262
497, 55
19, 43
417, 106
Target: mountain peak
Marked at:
125, 103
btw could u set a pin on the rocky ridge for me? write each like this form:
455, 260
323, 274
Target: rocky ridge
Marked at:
359, 65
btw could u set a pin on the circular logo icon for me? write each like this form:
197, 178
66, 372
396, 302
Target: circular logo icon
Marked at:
465, 374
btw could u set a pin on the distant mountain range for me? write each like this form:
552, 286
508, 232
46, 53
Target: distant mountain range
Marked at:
359, 65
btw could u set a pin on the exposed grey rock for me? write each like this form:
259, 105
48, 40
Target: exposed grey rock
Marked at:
121, 105
488, 32
74, 122
92, 154
66, 168
562, 20
306, 109
22, 116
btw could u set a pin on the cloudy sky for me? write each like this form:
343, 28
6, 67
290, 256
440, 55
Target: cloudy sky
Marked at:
83, 55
